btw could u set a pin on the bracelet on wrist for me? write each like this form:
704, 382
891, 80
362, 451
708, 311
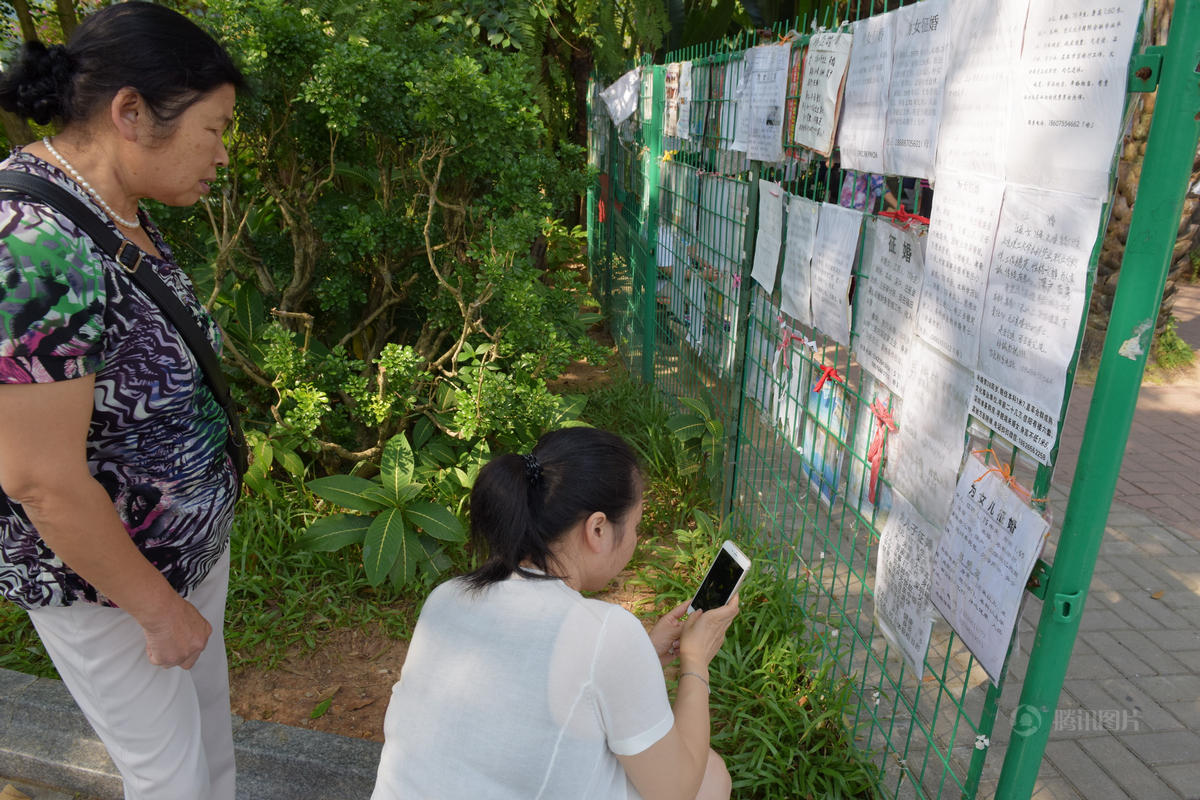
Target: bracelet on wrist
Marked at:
704, 680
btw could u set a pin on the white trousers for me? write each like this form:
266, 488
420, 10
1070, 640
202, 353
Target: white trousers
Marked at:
168, 731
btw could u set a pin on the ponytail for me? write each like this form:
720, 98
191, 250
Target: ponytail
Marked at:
521, 505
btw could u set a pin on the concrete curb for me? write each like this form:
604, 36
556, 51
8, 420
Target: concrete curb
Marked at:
45, 740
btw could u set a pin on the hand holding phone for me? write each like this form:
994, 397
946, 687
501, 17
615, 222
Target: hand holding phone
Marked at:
724, 577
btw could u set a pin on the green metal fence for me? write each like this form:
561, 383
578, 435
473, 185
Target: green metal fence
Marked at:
671, 230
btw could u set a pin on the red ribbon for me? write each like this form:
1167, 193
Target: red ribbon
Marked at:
883, 419
827, 373
788, 338
903, 218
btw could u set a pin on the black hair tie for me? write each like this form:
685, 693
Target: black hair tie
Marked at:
533, 470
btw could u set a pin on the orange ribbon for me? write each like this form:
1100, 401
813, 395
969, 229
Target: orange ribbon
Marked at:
883, 420
1006, 475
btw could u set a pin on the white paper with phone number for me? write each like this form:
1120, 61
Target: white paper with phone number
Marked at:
904, 564
983, 561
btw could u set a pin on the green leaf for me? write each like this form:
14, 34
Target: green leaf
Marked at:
438, 452
321, 708
249, 310
348, 491
436, 520
396, 467
263, 453
422, 431
291, 462
334, 532
686, 426
383, 544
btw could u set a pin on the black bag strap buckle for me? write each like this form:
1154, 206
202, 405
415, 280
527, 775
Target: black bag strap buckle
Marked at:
127, 251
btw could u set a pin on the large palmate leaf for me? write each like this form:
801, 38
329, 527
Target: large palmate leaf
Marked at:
383, 544
396, 467
334, 532
347, 491
436, 520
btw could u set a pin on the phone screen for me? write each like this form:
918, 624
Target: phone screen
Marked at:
718, 584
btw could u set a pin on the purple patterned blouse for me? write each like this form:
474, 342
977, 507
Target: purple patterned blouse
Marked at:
157, 435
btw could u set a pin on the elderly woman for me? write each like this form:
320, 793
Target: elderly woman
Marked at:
117, 493
516, 686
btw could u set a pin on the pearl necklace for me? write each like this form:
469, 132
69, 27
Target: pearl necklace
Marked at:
134, 223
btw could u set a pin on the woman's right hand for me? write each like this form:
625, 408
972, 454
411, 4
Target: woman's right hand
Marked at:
177, 637
704, 633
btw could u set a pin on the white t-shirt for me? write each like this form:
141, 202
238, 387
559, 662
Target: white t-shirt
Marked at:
524, 690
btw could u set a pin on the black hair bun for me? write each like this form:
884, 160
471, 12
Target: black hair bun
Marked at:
36, 85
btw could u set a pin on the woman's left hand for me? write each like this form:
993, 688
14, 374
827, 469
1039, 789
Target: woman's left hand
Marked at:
665, 634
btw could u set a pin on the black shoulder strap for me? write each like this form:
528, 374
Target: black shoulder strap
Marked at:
130, 257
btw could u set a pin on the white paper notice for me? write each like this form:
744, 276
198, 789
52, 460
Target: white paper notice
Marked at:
622, 95
983, 561
684, 122
977, 102
832, 263
795, 284
864, 110
770, 234
927, 450
889, 293
1036, 297
962, 228
824, 73
919, 61
1071, 87
671, 109
903, 570
766, 91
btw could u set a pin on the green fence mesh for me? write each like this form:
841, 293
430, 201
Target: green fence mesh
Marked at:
672, 224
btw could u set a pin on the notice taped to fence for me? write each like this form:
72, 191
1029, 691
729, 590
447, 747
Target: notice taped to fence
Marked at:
928, 448
920, 57
894, 270
977, 102
794, 285
1071, 92
1036, 297
832, 262
903, 570
683, 121
983, 561
821, 90
864, 109
962, 229
770, 234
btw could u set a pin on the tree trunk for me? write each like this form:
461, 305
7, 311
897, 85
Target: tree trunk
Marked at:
1129, 173
66, 17
16, 130
28, 31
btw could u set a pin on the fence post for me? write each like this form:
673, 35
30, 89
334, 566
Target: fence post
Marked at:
653, 141
1170, 151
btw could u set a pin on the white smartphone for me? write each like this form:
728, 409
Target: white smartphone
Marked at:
726, 574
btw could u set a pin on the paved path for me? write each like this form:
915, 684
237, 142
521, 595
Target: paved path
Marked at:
1128, 721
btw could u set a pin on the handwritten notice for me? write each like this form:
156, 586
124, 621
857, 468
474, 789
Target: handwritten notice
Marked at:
962, 229
795, 285
887, 311
868, 80
684, 119
919, 61
821, 90
903, 572
1072, 78
770, 234
832, 262
983, 561
1036, 297
928, 448
977, 101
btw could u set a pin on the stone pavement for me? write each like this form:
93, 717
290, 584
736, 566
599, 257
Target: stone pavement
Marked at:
1128, 720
